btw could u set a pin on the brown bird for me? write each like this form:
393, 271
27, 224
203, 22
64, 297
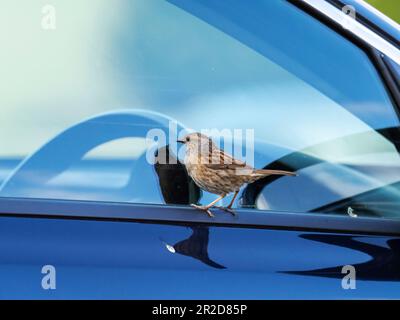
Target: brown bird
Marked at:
217, 172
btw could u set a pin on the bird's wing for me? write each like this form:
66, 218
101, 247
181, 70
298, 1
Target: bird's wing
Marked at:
221, 160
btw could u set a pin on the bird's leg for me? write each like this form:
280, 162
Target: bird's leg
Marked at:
209, 206
229, 207
233, 200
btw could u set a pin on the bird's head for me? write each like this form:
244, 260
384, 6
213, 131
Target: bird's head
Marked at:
197, 142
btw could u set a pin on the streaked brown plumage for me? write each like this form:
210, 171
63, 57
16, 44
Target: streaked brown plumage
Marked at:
217, 172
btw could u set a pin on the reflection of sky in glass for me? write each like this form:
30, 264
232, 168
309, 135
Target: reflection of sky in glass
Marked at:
149, 54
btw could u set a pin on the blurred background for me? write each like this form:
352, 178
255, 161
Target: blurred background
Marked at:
389, 7
111, 55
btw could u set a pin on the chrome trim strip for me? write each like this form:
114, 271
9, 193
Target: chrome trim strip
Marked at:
356, 28
385, 18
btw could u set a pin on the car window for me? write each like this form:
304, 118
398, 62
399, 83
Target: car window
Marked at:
82, 87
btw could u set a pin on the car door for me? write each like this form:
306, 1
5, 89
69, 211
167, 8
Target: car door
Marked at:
94, 213
131, 252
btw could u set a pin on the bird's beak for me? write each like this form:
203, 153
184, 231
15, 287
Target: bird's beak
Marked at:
180, 141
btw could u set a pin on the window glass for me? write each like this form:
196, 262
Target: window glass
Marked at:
82, 85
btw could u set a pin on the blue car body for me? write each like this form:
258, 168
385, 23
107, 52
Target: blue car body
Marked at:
118, 250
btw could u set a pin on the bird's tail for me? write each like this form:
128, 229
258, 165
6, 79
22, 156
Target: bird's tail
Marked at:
266, 172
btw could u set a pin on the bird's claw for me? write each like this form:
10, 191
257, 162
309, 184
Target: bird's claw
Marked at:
227, 209
203, 208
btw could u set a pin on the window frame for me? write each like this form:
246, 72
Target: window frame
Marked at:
185, 215
246, 218
373, 19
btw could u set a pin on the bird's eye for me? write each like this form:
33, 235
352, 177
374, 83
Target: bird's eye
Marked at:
187, 139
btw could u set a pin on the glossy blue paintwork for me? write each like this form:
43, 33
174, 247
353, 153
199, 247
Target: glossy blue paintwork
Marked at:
97, 259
